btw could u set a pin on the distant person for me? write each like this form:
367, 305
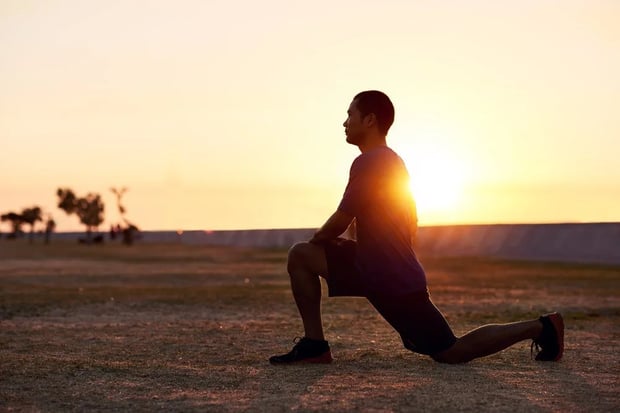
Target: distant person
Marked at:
381, 264
50, 226
130, 233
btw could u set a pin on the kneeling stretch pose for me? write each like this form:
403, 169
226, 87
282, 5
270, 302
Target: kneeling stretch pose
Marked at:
381, 264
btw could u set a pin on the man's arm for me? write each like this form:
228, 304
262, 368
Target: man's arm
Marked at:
333, 227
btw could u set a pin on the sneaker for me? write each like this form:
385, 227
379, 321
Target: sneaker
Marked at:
550, 343
306, 350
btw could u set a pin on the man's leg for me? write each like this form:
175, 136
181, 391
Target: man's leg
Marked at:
489, 339
306, 262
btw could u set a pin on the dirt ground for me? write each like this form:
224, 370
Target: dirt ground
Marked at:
190, 328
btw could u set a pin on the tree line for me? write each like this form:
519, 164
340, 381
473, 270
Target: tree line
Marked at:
89, 209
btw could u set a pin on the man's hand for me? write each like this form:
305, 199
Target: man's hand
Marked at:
334, 227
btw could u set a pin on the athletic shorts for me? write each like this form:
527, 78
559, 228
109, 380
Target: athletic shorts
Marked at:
422, 327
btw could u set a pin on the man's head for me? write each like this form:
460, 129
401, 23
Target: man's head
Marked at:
371, 113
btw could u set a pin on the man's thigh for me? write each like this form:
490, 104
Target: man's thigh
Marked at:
343, 277
420, 324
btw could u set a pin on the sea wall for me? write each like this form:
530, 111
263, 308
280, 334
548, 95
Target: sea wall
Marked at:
573, 243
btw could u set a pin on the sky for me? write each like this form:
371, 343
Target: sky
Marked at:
228, 114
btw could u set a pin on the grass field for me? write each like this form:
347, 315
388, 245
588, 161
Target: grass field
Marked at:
190, 328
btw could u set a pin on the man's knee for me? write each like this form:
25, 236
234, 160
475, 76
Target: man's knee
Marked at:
298, 256
305, 255
453, 355
446, 358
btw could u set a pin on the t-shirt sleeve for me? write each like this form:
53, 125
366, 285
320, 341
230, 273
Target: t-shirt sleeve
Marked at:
355, 194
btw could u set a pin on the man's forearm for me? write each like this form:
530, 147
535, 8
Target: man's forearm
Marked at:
335, 226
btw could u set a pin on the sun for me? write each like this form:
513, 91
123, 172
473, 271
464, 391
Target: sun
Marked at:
437, 183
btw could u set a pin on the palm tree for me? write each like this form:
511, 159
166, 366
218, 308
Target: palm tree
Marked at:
16, 222
30, 216
119, 195
130, 230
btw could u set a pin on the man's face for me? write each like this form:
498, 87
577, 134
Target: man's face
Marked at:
354, 126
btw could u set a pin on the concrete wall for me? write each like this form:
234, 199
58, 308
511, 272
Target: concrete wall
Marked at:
574, 243
268, 238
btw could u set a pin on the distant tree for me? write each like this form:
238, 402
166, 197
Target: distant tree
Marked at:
30, 216
119, 196
16, 221
89, 209
128, 229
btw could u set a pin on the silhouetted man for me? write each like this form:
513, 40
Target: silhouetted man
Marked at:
381, 264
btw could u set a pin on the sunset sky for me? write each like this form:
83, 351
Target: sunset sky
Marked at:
228, 114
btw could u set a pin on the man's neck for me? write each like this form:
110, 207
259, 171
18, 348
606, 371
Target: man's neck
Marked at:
372, 144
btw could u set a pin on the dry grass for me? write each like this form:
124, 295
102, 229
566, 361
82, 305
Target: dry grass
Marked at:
190, 328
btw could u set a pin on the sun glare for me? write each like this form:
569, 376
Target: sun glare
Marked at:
437, 182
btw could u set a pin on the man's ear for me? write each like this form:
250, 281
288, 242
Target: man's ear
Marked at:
370, 120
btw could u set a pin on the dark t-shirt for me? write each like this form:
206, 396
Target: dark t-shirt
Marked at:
379, 198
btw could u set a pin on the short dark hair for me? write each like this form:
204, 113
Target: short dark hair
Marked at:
374, 101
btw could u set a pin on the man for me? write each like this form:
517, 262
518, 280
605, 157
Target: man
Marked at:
381, 264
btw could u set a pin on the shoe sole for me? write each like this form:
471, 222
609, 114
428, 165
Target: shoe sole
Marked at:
324, 358
558, 324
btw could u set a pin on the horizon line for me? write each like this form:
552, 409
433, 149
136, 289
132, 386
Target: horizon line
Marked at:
313, 228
